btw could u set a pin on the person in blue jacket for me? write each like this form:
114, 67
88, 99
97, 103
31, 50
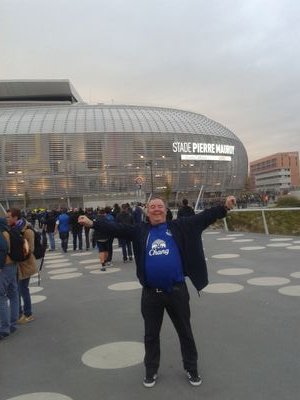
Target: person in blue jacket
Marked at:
165, 253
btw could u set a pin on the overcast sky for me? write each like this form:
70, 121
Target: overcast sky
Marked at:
235, 61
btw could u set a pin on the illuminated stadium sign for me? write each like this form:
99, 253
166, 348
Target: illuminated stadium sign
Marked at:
203, 151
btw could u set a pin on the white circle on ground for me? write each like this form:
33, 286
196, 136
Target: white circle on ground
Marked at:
296, 241
295, 275
67, 276
290, 290
226, 238
268, 281
50, 258
62, 271
117, 250
235, 271
35, 289
59, 265
91, 261
236, 234
211, 233
243, 240
278, 244
114, 355
34, 279
61, 259
41, 396
125, 286
108, 271
293, 248
220, 288
226, 256
252, 248
280, 239
37, 298
82, 254
93, 266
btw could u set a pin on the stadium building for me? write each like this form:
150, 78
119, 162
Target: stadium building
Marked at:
57, 150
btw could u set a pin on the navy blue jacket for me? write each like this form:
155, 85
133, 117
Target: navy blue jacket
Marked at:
186, 232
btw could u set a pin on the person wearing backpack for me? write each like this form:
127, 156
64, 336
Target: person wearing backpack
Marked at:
9, 294
27, 267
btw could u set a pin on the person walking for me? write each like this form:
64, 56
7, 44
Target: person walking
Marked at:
9, 294
165, 252
63, 227
26, 268
124, 217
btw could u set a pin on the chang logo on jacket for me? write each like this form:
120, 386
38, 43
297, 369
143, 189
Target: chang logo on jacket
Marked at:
159, 248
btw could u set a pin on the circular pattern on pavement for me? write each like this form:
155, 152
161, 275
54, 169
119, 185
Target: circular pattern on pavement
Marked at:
223, 288
236, 234
280, 239
114, 355
295, 275
296, 241
125, 286
53, 261
211, 233
235, 271
91, 261
67, 276
290, 290
62, 271
226, 256
37, 298
293, 248
252, 248
41, 396
268, 281
108, 271
86, 253
35, 289
243, 240
59, 265
226, 238
278, 244
93, 266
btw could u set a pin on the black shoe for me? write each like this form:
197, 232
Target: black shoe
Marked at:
194, 378
130, 258
3, 335
150, 381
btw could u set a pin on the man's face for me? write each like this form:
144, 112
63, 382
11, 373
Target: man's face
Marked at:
11, 221
156, 211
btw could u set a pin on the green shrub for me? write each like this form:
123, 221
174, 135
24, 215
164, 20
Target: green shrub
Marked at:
288, 201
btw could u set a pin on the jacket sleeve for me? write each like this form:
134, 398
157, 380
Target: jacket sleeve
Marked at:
205, 218
114, 229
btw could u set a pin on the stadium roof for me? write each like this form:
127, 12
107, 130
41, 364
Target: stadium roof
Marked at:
107, 118
29, 92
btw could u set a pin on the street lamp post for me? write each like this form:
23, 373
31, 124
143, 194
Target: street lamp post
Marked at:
150, 164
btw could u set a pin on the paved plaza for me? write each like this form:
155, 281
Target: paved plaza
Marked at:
87, 340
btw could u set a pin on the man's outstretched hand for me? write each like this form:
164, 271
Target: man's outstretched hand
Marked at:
230, 202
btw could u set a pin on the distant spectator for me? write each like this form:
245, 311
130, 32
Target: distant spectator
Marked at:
185, 210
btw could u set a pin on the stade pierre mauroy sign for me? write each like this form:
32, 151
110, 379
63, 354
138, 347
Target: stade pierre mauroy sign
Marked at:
203, 151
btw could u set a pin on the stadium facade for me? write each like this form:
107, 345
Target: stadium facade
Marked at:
55, 148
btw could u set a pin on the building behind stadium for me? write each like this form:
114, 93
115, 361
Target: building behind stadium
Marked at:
57, 150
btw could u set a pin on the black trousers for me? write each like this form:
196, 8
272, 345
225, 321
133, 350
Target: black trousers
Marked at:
177, 305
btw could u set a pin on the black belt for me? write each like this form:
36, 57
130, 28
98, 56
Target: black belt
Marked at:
176, 286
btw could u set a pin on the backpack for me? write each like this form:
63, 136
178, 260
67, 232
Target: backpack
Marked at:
19, 247
3, 249
40, 243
